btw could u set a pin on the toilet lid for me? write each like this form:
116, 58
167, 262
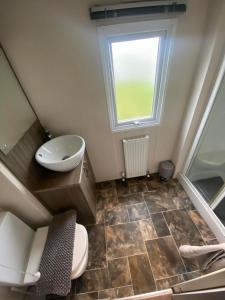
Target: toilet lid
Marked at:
79, 250
80, 246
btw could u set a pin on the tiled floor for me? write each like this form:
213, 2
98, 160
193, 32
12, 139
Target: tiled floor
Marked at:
134, 245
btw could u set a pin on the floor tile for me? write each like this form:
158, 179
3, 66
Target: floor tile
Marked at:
180, 197
119, 272
106, 184
138, 211
182, 228
49, 297
191, 275
131, 199
166, 283
99, 202
160, 225
100, 216
170, 186
137, 179
73, 287
121, 292
110, 202
139, 186
106, 199
191, 264
99, 209
124, 240
107, 294
125, 291
154, 183
85, 296
100, 213
111, 244
179, 189
141, 274
212, 242
173, 184
122, 188
173, 191
93, 280
158, 202
106, 193
116, 215
97, 247
181, 200
164, 258
202, 226
147, 229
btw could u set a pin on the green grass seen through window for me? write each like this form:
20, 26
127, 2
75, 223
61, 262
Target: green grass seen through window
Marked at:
133, 99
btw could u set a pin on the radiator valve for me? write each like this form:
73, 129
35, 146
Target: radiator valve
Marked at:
123, 175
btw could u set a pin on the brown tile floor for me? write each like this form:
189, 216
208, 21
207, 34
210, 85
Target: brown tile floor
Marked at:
133, 247
134, 243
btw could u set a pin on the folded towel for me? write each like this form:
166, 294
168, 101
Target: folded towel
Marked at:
213, 261
56, 261
210, 258
188, 251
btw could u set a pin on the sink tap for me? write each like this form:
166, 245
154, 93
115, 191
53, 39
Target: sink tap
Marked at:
49, 134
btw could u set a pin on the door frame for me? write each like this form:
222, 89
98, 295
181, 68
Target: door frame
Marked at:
208, 281
203, 208
205, 116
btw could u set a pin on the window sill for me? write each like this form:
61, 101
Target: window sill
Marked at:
127, 127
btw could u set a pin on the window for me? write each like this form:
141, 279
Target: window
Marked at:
134, 64
135, 59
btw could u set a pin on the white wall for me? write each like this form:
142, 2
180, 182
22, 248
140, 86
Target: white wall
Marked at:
54, 49
16, 198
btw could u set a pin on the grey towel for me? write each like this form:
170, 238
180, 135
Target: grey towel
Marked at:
189, 251
213, 261
210, 258
57, 258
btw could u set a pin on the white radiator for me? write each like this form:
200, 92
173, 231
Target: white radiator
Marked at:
136, 156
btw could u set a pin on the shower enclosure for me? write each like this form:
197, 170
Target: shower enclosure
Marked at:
204, 173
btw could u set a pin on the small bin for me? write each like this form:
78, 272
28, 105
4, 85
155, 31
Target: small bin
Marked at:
166, 169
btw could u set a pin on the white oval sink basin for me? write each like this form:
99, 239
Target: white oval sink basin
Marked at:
62, 153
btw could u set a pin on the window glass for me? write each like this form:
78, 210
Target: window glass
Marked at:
135, 60
134, 69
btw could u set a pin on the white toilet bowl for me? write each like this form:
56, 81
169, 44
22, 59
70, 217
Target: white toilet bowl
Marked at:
23, 248
80, 257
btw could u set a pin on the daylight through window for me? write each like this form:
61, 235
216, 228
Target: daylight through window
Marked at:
135, 59
134, 70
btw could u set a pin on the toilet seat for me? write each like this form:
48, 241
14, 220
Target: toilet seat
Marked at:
80, 252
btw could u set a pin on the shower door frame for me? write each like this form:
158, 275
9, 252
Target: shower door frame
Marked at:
205, 209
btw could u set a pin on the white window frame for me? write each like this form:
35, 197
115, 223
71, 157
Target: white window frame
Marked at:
165, 29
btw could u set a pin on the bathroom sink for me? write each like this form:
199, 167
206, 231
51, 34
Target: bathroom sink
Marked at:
62, 153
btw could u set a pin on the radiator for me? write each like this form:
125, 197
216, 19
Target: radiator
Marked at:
136, 156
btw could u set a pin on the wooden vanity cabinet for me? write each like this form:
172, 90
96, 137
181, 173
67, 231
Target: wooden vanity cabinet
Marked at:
71, 190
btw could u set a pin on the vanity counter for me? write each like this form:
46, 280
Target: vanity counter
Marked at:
59, 191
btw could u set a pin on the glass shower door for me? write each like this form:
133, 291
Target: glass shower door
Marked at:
207, 168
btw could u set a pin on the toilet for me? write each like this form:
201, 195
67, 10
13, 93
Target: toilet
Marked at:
21, 250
